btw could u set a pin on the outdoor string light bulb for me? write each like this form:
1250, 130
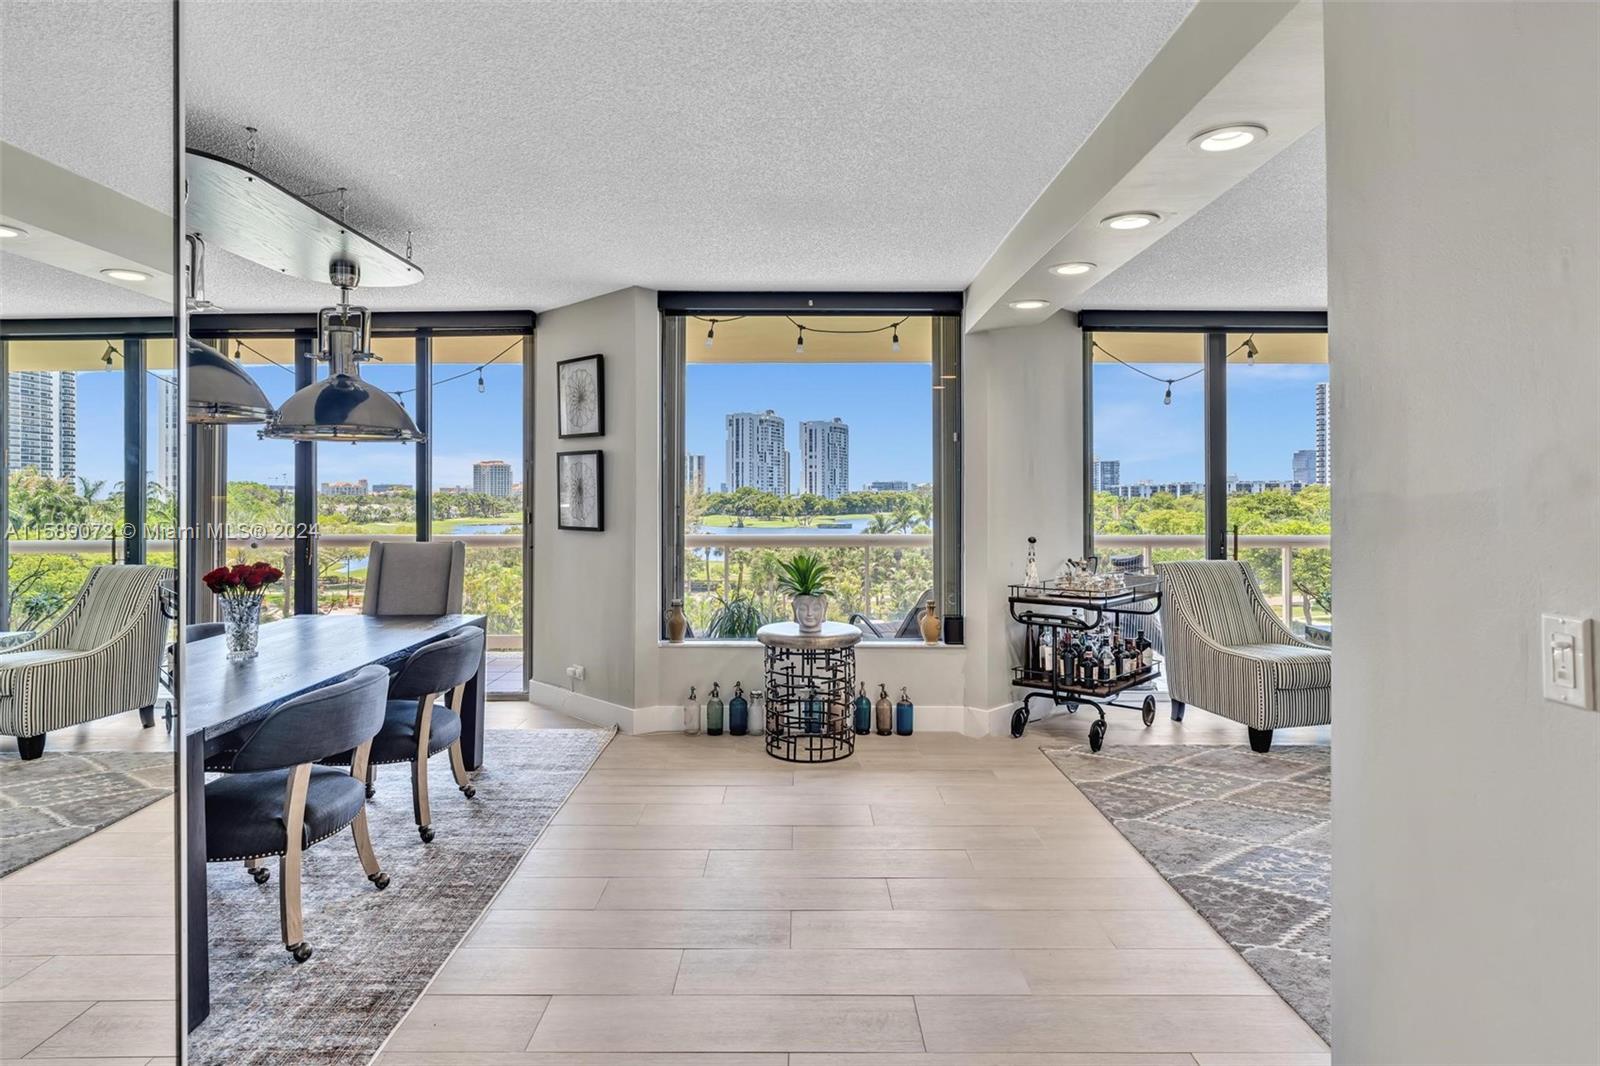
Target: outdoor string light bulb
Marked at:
480, 379
894, 339
710, 335
1250, 351
800, 342
105, 357
1167, 399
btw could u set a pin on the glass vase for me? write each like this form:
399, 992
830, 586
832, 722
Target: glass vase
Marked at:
241, 626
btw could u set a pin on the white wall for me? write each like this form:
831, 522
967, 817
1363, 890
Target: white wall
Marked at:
1462, 173
595, 594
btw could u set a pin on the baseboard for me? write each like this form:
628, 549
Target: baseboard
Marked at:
590, 709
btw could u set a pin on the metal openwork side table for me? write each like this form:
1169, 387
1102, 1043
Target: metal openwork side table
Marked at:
810, 681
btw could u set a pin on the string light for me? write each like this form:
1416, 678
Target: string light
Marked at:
800, 340
1248, 347
480, 379
1167, 399
711, 335
1250, 350
891, 328
108, 353
894, 343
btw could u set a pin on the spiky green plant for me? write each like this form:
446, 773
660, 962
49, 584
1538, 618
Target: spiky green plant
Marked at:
736, 619
803, 574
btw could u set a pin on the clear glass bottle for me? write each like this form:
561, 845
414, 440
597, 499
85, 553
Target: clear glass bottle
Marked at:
691, 714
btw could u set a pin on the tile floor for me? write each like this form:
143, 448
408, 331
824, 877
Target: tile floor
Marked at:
932, 900
87, 934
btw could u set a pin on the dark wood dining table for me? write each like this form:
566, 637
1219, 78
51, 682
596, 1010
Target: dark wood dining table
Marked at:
296, 655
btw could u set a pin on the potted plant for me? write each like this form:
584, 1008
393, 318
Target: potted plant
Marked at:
805, 578
240, 588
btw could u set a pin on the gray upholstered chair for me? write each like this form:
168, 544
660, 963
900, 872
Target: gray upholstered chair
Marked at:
1228, 652
414, 577
415, 726
276, 801
102, 657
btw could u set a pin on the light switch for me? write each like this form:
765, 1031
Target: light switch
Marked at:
1567, 645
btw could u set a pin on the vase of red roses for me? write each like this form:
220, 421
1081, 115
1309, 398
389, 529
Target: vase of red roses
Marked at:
240, 589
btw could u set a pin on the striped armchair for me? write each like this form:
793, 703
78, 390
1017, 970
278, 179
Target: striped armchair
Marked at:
1228, 652
102, 657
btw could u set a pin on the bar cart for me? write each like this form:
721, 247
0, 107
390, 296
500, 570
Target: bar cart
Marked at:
1053, 617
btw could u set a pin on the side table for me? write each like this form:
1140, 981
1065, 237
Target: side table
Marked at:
810, 681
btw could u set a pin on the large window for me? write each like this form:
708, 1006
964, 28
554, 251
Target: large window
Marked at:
1215, 444
261, 472
810, 433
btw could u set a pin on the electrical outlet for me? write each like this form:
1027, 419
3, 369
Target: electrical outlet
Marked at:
575, 672
1567, 648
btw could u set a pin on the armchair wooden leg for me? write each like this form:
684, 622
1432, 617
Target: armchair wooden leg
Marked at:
369, 858
257, 870
419, 771
147, 716
30, 747
458, 766
1261, 741
289, 912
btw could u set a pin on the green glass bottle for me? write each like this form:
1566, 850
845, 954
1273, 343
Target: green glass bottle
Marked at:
714, 712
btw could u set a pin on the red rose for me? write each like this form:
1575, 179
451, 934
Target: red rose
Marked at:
217, 580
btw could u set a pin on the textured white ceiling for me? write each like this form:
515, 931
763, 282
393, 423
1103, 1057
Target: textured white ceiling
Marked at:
1262, 245
544, 153
31, 289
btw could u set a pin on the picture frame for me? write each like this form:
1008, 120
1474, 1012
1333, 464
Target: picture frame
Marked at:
580, 491
581, 397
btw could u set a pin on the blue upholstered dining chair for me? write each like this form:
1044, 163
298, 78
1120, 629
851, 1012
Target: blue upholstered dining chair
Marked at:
276, 801
416, 725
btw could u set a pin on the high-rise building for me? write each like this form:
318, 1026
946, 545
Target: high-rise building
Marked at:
756, 455
42, 408
169, 436
1324, 437
825, 458
491, 477
888, 486
694, 478
1305, 466
1107, 474
345, 488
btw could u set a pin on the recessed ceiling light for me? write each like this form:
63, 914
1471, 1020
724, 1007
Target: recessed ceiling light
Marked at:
1130, 220
1228, 138
124, 274
1071, 270
8, 230
1028, 305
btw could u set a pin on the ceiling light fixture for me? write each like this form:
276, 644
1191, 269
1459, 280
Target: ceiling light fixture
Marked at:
7, 230
1028, 305
1130, 220
1228, 138
342, 407
125, 274
1070, 270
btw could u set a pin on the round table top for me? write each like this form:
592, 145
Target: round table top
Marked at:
788, 635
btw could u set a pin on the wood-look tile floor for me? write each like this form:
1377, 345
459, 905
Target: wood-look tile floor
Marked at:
87, 934
932, 901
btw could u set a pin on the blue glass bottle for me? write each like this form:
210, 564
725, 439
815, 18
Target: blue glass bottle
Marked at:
902, 714
813, 712
863, 722
714, 712
738, 711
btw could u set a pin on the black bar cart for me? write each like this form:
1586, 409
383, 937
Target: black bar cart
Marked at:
1059, 620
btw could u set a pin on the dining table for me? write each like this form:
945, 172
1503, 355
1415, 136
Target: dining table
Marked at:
294, 656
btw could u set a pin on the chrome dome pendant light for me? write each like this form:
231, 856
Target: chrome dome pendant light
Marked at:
342, 407
220, 391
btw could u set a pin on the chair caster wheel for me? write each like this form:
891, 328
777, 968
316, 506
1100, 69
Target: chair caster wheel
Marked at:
426, 833
301, 951
380, 879
261, 875
468, 791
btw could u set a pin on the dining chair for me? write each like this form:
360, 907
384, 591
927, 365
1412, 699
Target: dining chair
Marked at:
414, 578
415, 726
277, 801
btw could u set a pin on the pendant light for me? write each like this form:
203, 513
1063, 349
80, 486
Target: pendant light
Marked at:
220, 391
342, 407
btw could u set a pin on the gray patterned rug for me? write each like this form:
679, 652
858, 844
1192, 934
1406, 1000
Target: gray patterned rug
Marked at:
1247, 839
374, 951
49, 802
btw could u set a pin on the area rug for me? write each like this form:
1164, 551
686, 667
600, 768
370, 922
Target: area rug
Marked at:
373, 952
1247, 839
49, 802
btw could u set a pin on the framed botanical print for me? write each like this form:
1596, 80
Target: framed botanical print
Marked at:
581, 397
580, 491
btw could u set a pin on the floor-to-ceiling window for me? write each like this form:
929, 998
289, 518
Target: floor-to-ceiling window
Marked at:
1214, 442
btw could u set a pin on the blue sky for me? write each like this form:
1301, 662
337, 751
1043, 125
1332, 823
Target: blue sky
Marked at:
1271, 414
886, 405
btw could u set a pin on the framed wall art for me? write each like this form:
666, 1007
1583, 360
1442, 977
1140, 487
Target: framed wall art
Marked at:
580, 491
581, 397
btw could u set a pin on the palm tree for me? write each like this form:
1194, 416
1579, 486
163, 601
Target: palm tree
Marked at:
881, 523
90, 490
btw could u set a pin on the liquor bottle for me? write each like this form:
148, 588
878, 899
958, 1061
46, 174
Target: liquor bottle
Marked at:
691, 714
863, 708
902, 714
813, 712
714, 712
1147, 652
1119, 661
885, 711
738, 711
1047, 652
1108, 663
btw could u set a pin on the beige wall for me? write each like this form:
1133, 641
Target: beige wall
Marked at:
595, 594
1464, 269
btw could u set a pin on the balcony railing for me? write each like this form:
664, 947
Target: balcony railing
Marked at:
1156, 547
